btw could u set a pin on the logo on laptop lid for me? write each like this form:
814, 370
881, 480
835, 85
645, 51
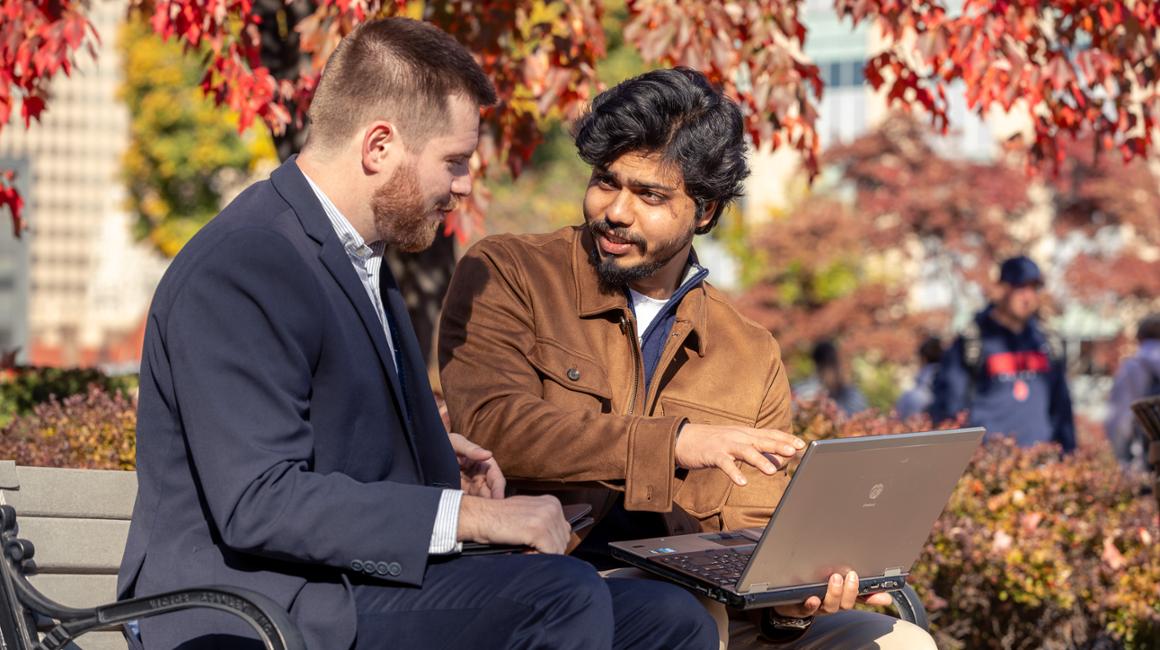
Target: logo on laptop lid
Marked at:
876, 491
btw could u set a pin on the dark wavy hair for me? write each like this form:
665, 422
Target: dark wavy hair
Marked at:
680, 115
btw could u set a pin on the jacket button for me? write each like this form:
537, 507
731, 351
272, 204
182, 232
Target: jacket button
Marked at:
357, 565
382, 568
573, 374
394, 568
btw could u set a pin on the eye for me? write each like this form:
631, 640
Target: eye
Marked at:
651, 197
605, 183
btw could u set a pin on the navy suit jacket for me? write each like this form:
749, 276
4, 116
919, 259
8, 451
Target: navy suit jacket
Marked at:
277, 449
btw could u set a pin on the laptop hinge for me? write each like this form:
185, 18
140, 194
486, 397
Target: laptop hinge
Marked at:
757, 588
894, 571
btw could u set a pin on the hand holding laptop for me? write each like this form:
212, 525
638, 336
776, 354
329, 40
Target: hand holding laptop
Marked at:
721, 446
841, 593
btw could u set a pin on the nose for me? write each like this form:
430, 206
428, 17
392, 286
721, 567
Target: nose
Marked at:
461, 184
619, 211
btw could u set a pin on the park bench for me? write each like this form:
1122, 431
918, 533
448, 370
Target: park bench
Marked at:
66, 548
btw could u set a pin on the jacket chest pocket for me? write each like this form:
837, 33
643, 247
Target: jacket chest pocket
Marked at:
571, 380
703, 492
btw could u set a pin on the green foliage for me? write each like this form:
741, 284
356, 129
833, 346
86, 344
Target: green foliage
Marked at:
1032, 551
878, 382
24, 387
737, 236
184, 151
93, 430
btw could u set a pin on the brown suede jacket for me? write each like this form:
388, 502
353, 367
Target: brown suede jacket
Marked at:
541, 366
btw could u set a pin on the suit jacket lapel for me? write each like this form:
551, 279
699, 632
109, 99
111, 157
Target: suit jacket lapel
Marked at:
337, 262
436, 457
292, 185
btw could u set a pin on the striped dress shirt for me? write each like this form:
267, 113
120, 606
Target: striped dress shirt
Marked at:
367, 260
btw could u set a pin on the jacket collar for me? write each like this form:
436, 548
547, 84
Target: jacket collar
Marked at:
592, 299
292, 185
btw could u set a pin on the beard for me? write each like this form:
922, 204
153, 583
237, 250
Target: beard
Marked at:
615, 276
402, 215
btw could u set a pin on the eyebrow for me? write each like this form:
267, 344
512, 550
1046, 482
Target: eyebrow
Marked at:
604, 171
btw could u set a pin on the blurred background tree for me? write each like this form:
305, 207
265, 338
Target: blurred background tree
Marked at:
1067, 66
184, 152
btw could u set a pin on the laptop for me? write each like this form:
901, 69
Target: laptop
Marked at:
865, 504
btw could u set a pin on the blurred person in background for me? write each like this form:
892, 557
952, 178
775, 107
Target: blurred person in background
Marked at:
1006, 369
918, 399
1138, 377
829, 381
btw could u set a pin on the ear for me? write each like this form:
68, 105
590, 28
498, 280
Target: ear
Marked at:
706, 215
380, 140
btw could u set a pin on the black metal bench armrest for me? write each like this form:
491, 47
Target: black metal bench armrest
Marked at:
910, 607
270, 621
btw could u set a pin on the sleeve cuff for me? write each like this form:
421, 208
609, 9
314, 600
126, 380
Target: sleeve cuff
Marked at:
648, 484
446, 524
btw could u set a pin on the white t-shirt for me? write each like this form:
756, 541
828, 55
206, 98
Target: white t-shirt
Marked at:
646, 310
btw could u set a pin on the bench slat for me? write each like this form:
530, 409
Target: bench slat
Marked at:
73, 590
57, 492
75, 545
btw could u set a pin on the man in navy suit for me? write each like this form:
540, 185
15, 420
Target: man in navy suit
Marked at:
287, 437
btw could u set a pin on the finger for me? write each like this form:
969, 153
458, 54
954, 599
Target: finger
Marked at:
757, 459
773, 446
496, 481
880, 599
475, 452
807, 608
833, 600
778, 460
850, 590
726, 464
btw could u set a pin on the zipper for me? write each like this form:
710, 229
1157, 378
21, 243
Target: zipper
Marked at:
638, 364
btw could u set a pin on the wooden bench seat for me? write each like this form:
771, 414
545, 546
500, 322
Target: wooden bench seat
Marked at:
79, 521
73, 524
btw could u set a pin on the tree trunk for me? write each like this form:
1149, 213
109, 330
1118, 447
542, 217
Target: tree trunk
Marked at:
423, 277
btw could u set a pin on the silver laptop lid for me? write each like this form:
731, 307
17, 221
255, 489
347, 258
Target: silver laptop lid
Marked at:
866, 504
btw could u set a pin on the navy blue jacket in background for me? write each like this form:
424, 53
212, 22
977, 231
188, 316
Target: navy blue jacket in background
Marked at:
1019, 390
275, 451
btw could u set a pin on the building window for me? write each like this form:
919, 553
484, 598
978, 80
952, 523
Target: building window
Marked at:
849, 73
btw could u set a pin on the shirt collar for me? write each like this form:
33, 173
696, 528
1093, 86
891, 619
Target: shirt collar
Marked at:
353, 242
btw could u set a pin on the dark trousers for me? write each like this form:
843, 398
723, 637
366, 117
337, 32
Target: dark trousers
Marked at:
529, 601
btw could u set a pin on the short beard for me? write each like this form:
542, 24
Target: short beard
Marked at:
614, 277
401, 215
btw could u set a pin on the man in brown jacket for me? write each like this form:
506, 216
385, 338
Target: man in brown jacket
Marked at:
598, 365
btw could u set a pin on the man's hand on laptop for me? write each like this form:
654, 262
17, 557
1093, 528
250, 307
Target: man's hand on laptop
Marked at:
841, 593
720, 446
479, 474
537, 522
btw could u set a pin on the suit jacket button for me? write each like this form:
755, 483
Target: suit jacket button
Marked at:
394, 568
382, 568
357, 565
573, 374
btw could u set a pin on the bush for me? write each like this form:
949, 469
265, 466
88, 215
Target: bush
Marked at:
93, 430
1032, 550
23, 387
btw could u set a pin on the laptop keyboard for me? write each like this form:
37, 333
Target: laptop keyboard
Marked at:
719, 567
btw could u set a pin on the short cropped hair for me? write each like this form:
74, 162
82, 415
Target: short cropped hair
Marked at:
676, 113
398, 69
